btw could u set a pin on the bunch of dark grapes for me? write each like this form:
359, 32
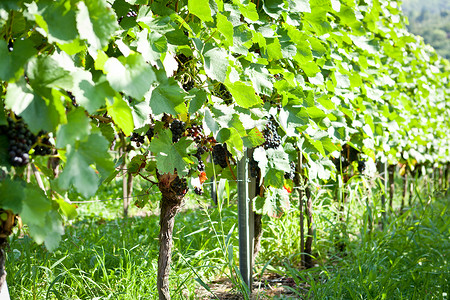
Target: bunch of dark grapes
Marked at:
150, 133
180, 186
220, 155
72, 98
198, 155
291, 174
271, 136
139, 139
198, 190
196, 132
44, 146
361, 166
278, 76
177, 127
20, 141
131, 14
254, 168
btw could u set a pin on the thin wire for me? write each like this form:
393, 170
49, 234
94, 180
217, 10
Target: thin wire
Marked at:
112, 199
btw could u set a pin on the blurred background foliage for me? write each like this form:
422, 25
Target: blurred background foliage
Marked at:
431, 20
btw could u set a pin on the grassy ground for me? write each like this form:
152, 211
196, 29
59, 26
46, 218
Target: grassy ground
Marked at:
103, 256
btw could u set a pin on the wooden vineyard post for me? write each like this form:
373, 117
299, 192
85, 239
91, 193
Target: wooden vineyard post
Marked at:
446, 175
405, 188
127, 179
245, 219
127, 191
340, 244
309, 222
412, 182
298, 183
255, 190
391, 170
383, 197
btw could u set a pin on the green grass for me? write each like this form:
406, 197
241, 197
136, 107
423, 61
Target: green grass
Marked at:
103, 256
117, 259
408, 260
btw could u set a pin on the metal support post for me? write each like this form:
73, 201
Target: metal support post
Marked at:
246, 222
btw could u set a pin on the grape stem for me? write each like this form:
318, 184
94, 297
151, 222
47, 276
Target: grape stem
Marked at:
229, 167
102, 119
37, 175
152, 182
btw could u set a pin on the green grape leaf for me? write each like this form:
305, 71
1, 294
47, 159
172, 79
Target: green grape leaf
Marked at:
216, 63
35, 206
317, 170
136, 164
141, 112
261, 79
171, 156
151, 45
254, 138
274, 202
242, 39
342, 80
4, 156
50, 232
201, 9
168, 97
226, 28
297, 6
274, 178
49, 15
78, 171
243, 94
131, 75
92, 95
249, 11
233, 139
13, 194
69, 210
121, 114
46, 71
274, 49
96, 150
44, 223
35, 209
13, 62
273, 8
38, 113
96, 22
108, 131
76, 129
273, 164
197, 99
278, 164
